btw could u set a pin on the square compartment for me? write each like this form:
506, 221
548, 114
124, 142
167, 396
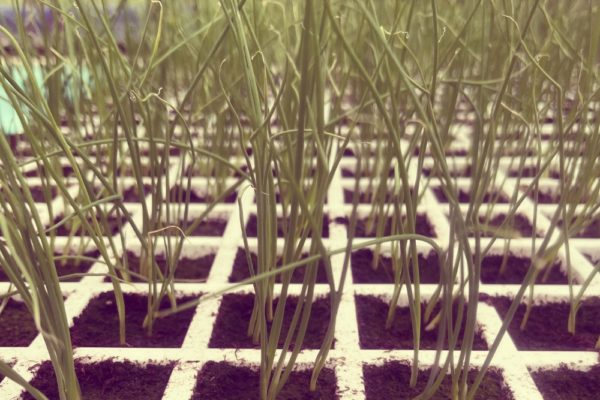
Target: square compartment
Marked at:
515, 270
17, 328
371, 313
187, 268
108, 380
423, 226
241, 271
546, 328
231, 325
226, 381
391, 381
566, 383
252, 226
100, 315
363, 272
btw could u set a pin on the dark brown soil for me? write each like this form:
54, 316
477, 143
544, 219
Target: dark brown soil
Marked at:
231, 325
516, 269
67, 170
241, 270
525, 172
37, 193
363, 272
67, 267
187, 268
252, 226
546, 328
208, 227
363, 196
423, 226
113, 224
130, 195
455, 172
17, 328
391, 381
225, 381
520, 225
108, 380
365, 173
591, 231
372, 314
465, 197
567, 384
550, 196
75, 266
179, 194
100, 315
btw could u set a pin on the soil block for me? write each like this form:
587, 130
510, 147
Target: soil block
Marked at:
231, 325
37, 193
391, 381
591, 231
208, 227
108, 380
241, 271
252, 226
364, 196
546, 328
179, 194
568, 384
372, 314
423, 226
67, 170
67, 266
363, 272
465, 197
365, 173
525, 172
455, 172
17, 328
515, 270
98, 324
113, 223
278, 197
186, 268
520, 225
226, 381
131, 195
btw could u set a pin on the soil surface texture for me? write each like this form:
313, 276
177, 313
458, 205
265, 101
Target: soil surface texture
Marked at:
422, 226
465, 197
225, 381
546, 328
519, 227
179, 194
208, 227
372, 314
515, 270
231, 326
108, 380
391, 381
363, 271
241, 271
98, 324
252, 227
17, 328
567, 384
186, 268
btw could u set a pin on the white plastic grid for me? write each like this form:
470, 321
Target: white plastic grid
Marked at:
347, 358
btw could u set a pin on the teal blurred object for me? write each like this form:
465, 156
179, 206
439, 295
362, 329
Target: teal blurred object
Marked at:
9, 119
